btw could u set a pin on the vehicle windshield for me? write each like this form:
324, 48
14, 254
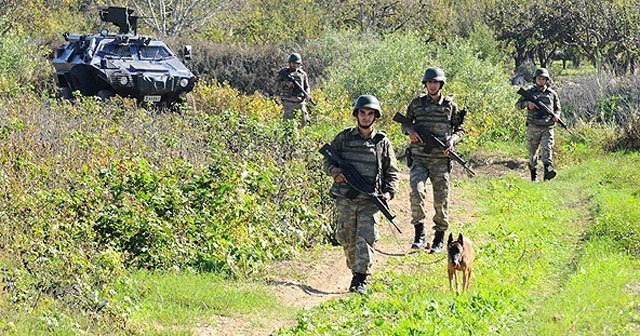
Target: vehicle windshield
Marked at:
153, 52
136, 51
115, 49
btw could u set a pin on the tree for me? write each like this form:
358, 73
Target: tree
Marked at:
175, 17
514, 26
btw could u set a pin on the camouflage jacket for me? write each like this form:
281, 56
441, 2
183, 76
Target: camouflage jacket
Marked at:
292, 93
442, 118
374, 159
537, 117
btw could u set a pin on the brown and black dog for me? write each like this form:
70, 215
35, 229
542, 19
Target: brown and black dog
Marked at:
460, 253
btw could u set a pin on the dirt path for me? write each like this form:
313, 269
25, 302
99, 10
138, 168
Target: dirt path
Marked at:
309, 281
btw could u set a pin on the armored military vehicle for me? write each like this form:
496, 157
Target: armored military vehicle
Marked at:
125, 63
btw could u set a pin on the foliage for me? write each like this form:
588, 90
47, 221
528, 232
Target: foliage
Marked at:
629, 139
601, 98
603, 31
92, 188
392, 69
19, 61
173, 18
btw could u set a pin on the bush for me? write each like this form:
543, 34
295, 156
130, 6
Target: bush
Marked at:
20, 61
602, 98
89, 189
249, 67
629, 140
392, 69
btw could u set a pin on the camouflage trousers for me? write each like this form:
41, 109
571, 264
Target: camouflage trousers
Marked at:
290, 109
540, 136
357, 231
437, 170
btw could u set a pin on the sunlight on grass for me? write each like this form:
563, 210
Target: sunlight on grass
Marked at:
168, 299
533, 268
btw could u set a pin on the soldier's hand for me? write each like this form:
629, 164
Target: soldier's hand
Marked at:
556, 118
449, 146
531, 106
340, 179
337, 175
386, 196
415, 137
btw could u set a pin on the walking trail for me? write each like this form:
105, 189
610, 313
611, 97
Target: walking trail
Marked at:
308, 281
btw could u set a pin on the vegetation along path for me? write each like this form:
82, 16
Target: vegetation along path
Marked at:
551, 259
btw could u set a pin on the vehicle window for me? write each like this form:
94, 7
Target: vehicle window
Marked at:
153, 52
121, 50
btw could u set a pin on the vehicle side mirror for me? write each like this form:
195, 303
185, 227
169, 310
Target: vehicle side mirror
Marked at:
186, 53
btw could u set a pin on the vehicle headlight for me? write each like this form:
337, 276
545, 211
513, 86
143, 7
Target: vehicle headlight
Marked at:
184, 82
123, 80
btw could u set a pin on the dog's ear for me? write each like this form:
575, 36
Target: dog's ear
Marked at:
450, 240
460, 238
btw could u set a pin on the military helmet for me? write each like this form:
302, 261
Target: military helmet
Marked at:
434, 73
295, 58
541, 72
367, 101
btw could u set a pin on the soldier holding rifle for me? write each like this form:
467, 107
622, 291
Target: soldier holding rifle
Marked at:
363, 166
294, 90
543, 111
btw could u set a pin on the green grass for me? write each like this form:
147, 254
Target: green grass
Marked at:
174, 302
535, 273
584, 68
600, 297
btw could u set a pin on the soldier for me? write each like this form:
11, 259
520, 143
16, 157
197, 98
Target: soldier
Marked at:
370, 151
540, 124
441, 116
292, 97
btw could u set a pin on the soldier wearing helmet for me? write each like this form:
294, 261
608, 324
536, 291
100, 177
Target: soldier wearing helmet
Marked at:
540, 131
441, 115
371, 153
293, 98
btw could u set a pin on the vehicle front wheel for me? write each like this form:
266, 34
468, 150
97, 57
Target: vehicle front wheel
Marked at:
105, 94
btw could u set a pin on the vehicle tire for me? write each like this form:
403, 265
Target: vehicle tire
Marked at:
65, 93
104, 94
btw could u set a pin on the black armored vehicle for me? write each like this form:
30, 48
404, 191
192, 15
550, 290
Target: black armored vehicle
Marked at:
125, 64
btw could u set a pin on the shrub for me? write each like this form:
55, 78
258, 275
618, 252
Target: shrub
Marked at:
89, 189
629, 140
601, 97
392, 68
250, 67
19, 61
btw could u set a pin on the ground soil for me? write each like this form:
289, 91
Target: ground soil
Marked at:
309, 281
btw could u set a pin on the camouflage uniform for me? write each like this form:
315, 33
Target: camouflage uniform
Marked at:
375, 160
540, 126
293, 99
444, 120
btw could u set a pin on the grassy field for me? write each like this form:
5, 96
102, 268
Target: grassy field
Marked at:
551, 258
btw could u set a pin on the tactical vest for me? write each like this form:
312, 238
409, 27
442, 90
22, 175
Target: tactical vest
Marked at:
365, 155
538, 117
299, 75
437, 119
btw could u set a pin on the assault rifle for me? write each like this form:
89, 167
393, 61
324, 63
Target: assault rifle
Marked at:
299, 87
432, 141
543, 107
358, 183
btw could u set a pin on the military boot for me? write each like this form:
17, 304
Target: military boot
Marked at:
418, 240
436, 246
361, 287
549, 173
534, 175
354, 282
